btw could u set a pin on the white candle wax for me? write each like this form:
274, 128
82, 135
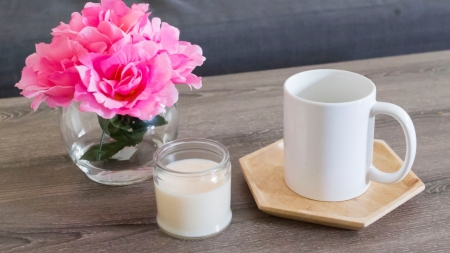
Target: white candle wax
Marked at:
193, 206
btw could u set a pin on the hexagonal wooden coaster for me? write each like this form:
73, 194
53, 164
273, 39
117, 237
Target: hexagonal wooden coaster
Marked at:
263, 171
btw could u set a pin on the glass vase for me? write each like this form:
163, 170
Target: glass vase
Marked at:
109, 158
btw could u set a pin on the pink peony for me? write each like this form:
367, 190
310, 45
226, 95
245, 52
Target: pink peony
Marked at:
134, 81
184, 56
99, 26
112, 60
106, 27
50, 74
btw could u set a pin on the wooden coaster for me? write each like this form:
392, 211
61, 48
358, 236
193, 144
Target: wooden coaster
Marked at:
264, 173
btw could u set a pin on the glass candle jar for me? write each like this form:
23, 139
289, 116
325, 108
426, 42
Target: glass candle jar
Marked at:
193, 188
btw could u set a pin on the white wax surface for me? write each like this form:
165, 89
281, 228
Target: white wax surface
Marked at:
191, 165
194, 206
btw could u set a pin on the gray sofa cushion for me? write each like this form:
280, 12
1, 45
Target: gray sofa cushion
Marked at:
249, 35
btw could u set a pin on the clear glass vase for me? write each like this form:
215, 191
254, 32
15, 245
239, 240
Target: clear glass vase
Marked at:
84, 137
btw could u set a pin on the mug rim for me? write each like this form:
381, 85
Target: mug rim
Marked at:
372, 84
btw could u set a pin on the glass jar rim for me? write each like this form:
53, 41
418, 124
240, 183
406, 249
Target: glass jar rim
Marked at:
184, 141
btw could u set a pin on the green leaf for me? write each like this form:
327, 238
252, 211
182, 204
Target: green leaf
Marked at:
122, 122
104, 124
131, 130
108, 150
129, 137
156, 121
126, 130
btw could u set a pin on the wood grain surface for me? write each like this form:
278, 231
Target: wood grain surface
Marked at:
48, 205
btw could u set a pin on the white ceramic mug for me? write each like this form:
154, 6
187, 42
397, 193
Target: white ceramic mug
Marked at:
329, 118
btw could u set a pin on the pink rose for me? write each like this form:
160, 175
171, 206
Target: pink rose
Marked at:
133, 81
50, 74
99, 26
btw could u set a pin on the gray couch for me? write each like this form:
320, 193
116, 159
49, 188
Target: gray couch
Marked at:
249, 35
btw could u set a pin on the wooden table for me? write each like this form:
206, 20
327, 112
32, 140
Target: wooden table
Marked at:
47, 204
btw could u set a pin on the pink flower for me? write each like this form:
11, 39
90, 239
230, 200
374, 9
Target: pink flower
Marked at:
50, 74
106, 27
133, 81
113, 60
184, 56
99, 26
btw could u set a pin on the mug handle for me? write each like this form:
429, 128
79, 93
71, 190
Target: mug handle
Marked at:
410, 134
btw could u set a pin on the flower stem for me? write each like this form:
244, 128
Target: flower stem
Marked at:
101, 144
